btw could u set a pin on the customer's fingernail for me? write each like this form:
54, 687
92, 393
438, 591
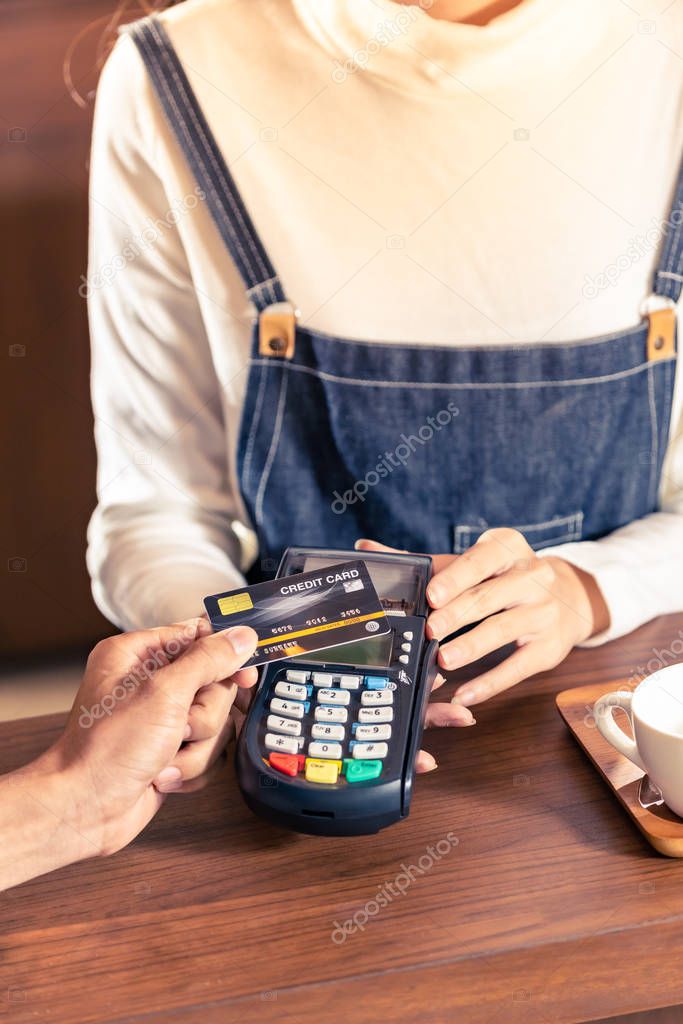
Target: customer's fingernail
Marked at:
463, 697
435, 593
439, 679
168, 775
243, 639
188, 731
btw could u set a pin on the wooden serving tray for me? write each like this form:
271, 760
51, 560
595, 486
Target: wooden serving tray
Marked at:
661, 828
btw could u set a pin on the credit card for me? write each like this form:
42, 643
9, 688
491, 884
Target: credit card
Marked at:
306, 612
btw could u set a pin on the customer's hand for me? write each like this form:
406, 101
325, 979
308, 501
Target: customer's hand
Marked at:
543, 605
151, 716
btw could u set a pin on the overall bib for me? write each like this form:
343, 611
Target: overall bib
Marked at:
425, 447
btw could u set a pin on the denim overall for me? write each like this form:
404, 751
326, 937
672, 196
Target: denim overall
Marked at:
426, 447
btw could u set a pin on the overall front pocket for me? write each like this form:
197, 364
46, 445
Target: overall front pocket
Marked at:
558, 530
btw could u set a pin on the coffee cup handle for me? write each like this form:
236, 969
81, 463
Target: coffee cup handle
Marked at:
604, 719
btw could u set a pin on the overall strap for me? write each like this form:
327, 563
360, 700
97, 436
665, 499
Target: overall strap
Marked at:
667, 283
668, 280
190, 128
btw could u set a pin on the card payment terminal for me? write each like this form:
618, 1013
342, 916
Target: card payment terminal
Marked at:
330, 740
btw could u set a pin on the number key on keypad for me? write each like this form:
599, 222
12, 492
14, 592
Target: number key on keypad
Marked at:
293, 691
292, 708
275, 723
369, 716
334, 697
316, 748
331, 714
332, 732
372, 732
377, 698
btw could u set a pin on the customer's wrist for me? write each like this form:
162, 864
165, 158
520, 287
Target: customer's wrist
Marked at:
42, 822
63, 792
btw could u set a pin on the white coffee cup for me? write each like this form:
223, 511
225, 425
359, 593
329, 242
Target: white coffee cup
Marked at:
655, 709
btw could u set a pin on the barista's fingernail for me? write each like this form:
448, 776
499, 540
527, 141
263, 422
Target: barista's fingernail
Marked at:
453, 655
436, 626
170, 787
169, 778
466, 716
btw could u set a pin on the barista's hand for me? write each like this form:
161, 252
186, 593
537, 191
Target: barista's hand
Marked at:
542, 605
437, 714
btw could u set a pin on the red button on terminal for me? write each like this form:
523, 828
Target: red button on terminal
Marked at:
288, 764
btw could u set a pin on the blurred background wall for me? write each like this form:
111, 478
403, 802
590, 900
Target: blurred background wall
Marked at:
50, 54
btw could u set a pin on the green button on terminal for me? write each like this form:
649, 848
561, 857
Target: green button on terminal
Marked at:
362, 771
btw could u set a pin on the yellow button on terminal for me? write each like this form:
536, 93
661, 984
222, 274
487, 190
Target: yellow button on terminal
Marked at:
322, 771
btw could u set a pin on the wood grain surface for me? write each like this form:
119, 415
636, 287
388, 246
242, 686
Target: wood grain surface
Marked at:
550, 906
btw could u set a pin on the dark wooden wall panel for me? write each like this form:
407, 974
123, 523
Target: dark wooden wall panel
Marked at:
48, 460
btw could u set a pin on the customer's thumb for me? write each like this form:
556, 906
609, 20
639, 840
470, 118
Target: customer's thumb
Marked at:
209, 660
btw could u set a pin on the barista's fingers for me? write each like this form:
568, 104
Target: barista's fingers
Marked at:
440, 715
439, 562
424, 762
365, 544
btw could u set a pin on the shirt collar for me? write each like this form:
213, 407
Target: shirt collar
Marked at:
407, 48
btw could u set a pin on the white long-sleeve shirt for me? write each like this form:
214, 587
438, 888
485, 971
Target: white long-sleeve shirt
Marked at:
412, 180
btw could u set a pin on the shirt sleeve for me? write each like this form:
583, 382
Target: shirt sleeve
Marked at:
639, 567
164, 533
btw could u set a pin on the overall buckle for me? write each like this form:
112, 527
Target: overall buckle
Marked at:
661, 335
277, 330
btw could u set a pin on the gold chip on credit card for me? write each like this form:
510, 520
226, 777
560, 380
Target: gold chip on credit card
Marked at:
235, 603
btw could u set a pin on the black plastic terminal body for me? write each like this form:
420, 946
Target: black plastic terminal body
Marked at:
345, 809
